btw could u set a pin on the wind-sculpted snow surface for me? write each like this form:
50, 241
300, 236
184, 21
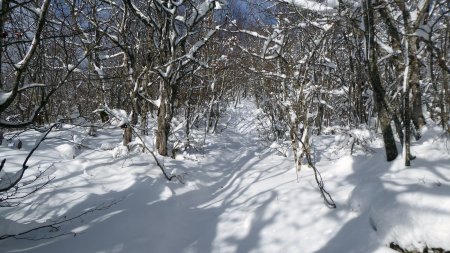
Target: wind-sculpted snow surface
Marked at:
237, 195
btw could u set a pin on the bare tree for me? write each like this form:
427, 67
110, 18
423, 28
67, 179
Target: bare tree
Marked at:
177, 39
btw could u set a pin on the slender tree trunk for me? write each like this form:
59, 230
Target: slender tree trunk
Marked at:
407, 137
416, 112
383, 118
445, 98
319, 117
3, 17
378, 90
144, 119
164, 119
188, 120
127, 135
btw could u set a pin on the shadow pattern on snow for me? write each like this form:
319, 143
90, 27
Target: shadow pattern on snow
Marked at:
160, 216
382, 208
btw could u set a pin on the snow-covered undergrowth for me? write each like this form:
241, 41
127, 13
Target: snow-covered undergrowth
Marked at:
237, 196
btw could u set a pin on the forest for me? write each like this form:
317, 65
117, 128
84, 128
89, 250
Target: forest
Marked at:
205, 108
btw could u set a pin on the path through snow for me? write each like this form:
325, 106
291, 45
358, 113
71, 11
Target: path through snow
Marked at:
238, 196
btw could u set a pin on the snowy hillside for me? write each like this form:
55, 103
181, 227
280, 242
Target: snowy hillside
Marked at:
238, 194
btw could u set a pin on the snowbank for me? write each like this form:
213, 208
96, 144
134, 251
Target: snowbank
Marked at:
409, 206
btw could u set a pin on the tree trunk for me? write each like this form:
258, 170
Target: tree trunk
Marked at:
188, 119
416, 112
127, 135
3, 18
407, 138
164, 119
385, 122
319, 117
445, 100
378, 90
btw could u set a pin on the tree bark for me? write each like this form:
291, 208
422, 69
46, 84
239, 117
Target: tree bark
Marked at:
445, 100
164, 119
127, 135
416, 113
378, 90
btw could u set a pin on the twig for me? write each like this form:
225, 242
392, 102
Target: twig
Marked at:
24, 165
161, 166
318, 177
2, 164
55, 225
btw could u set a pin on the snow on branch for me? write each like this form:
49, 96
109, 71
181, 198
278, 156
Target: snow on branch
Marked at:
141, 15
326, 7
29, 86
198, 45
4, 96
269, 73
200, 12
37, 37
7, 98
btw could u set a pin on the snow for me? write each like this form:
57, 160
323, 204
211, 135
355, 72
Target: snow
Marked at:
327, 6
238, 195
218, 5
200, 11
74, 68
66, 151
199, 44
4, 96
6, 178
99, 71
181, 18
32, 85
119, 117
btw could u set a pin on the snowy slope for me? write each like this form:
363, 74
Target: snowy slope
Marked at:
238, 196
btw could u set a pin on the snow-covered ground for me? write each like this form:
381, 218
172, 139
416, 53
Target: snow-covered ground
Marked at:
238, 195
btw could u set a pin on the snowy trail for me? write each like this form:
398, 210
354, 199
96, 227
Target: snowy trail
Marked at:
238, 197
222, 207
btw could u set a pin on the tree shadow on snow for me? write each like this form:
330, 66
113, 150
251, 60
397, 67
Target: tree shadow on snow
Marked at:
360, 234
153, 215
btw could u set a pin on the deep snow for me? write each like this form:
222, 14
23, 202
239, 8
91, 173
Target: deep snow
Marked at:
238, 195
